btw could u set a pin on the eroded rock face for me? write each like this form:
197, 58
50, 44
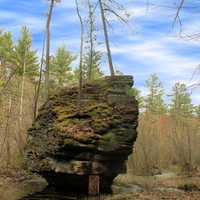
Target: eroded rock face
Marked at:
66, 146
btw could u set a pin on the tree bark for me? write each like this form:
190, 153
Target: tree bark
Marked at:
81, 57
22, 90
48, 49
39, 82
7, 132
106, 39
20, 138
91, 25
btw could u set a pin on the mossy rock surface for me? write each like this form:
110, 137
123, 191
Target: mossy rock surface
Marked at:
96, 139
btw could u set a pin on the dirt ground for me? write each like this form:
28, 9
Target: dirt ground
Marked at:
17, 184
157, 196
167, 186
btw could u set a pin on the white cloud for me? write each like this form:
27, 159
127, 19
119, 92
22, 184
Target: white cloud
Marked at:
158, 54
13, 21
148, 47
159, 57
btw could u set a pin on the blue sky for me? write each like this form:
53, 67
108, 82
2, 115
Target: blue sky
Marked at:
147, 45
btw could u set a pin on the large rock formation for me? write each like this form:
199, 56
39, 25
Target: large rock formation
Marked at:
69, 147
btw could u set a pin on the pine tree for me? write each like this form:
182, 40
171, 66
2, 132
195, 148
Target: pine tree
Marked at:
95, 73
91, 57
137, 94
197, 111
6, 48
181, 105
181, 110
24, 58
154, 102
25, 61
61, 71
6, 51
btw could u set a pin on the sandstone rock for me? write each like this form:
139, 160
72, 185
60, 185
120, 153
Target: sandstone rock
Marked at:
67, 146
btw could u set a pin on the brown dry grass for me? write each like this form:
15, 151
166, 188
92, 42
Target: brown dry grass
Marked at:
156, 196
150, 182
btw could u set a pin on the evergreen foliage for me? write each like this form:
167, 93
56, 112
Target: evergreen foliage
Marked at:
96, 73
137, 94
6, 47
181, 101
24, 55
60, 67
154, 102
197, 111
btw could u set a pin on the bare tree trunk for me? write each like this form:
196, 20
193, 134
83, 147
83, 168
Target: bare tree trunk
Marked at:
81, 57
91, 24
22, 90
8, 160
20, 138
106, 39
48, 49
39, 82
189, 149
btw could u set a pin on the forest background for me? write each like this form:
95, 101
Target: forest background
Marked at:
169, 121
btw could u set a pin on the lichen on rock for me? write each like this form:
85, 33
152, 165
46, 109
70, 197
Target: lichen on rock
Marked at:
68, 144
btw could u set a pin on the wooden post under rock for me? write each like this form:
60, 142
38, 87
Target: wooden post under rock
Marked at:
94, 185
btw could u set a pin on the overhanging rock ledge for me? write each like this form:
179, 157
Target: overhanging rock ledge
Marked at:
71, 148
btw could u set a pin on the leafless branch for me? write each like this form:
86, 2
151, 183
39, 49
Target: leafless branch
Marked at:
8, 81
177, 17
117, 15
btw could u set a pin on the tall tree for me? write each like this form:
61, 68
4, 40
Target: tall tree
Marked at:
61, 70
38, 86
181, 105
154, 102
91, 66
48, 40
155, 108
7, 70
81, 54
92, 57
181, 110
112, 72
24, 58
91, 36
111, 7
26, 63
197, 111
6, 48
